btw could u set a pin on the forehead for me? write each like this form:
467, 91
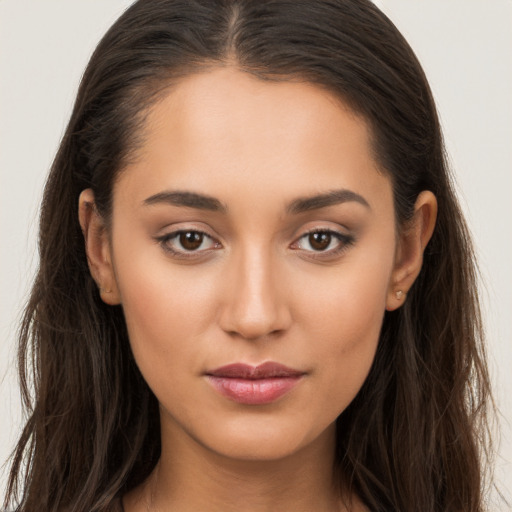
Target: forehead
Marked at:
230, 102
225, 128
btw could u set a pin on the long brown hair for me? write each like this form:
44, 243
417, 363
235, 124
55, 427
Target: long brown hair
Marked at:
416, 435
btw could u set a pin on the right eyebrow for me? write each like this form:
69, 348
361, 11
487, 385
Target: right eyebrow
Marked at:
186, 199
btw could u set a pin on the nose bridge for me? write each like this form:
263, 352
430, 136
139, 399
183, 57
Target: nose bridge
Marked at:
254, 303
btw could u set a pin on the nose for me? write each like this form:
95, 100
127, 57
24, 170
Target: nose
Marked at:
255, 302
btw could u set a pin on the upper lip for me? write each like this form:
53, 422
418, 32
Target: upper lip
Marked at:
266, 370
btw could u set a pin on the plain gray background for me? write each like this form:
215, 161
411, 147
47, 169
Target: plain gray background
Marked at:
465, 47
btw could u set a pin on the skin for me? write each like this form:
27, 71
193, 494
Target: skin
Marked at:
256, 290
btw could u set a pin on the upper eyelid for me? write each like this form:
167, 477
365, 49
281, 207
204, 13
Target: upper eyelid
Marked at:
185, 230
173, 234
172, 230
323, 224
342, 233
336, 234
322, 230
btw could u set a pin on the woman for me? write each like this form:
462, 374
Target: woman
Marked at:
256, 288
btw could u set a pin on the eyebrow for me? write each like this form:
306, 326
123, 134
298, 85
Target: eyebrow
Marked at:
299, 205
331, 198
187, 199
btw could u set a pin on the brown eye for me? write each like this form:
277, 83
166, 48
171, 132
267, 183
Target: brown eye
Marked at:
190, 243
191, 240
319, 241
325, 243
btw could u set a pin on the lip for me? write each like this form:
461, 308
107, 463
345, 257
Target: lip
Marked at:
254, 385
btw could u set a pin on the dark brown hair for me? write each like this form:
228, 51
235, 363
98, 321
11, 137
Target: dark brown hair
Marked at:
416, 436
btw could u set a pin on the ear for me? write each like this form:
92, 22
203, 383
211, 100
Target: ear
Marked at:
97, 247
411, 244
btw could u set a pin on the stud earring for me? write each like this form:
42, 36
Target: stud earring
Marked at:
102, 290
399, 294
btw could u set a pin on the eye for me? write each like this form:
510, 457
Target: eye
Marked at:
323, 241
185, 242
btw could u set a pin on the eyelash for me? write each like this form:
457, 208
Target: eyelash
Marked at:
165, 240
345, 241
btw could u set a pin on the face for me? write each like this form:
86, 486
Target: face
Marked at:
253, 250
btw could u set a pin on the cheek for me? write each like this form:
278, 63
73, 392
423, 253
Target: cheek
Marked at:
350, 300
165, 311
346, 316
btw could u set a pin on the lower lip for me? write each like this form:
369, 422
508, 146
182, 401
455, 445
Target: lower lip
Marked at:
254, 391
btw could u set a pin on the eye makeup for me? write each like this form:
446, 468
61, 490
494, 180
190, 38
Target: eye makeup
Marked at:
316, 243
188, 243
323, 243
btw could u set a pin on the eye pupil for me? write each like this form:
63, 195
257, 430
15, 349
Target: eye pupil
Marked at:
320, 241
191, 240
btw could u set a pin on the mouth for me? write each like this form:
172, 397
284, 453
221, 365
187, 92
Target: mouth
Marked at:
254, 385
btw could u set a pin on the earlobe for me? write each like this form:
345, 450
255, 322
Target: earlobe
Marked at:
97, 248
410, 248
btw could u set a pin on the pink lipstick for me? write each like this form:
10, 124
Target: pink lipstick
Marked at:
254, 385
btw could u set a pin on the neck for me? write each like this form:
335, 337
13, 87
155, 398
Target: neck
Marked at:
191, 477
294, 483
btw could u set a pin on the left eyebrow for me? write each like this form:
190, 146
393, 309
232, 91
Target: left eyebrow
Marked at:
331, 198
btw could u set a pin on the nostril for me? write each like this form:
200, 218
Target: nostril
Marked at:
256, 335
254, 304
249, 326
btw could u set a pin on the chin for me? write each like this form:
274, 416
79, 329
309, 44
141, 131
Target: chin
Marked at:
263, 442
256, 450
